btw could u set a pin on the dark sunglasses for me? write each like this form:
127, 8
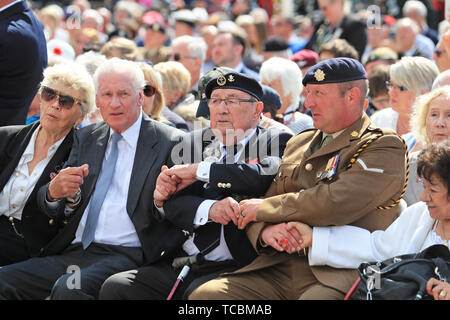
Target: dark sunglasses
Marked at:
438, 52
178, 57
92, 46
64, 101
149, 90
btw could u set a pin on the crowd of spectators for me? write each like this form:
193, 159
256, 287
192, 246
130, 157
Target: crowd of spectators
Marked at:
193, 66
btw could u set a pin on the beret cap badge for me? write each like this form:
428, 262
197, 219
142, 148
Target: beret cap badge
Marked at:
319, 75
230, 78
221, 81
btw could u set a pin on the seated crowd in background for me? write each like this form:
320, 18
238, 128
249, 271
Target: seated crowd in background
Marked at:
250, 136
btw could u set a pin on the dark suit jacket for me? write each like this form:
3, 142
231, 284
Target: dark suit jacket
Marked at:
249, 72
38, 229
352, 30
246, 179
23, 57
153, 150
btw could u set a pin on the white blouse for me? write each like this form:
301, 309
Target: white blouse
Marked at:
15, 194
349, 246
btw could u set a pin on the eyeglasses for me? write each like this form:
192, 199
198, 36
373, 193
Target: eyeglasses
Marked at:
92, 46
438, 52
389, 85
178, 57
231, 102
149, 90
64, 101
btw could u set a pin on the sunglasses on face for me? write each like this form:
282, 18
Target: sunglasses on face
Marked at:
149, 90
438, 52
178, 57
389, 85
64, 101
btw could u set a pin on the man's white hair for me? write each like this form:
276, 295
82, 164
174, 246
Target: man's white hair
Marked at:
414, 5
196, 45
121, 66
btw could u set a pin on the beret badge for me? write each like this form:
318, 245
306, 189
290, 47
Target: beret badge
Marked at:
221, 81
230, 78
319, 75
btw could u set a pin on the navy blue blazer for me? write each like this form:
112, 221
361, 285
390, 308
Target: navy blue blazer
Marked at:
249, 178
38, 229
23, 57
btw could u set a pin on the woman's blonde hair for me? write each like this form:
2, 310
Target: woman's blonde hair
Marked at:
415, 73
420, 112
73, 76
53, 12
175, 76
121, 48
153, 78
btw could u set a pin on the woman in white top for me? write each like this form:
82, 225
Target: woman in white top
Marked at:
423, 224
409, 78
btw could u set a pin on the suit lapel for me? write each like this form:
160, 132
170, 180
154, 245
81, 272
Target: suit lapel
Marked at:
92, 152
146, 155
56, 163
15, 150
252, 145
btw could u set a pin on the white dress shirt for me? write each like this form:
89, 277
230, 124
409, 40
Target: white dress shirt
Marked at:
114, 224
349, 246
221, 252
21, 183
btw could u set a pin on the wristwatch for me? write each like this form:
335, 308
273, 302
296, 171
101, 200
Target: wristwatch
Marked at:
73, 202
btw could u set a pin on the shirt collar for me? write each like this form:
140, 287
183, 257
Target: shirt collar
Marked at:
288, 113
333, 135
131, 134
29, 150
239, 67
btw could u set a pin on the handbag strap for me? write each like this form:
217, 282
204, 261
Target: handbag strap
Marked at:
441, 270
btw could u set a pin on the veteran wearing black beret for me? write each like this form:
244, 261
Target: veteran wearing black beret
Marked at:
232, 160
343, 171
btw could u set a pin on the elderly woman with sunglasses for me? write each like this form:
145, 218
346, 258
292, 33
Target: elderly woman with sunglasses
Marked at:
409, 78
31, 155
420, 226
153, 96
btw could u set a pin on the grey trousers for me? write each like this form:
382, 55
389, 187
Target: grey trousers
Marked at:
74, 274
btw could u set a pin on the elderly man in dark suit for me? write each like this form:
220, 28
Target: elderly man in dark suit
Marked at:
232, 160
105, 192
23, 57
327, 176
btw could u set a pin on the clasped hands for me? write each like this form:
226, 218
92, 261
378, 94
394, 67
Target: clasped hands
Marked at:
290, 237
179, 177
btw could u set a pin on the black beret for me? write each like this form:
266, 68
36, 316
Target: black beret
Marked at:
203, 109
271, 97
237, 81
335, 70
275, 44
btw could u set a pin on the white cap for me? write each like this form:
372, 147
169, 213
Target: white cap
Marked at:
60, 49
